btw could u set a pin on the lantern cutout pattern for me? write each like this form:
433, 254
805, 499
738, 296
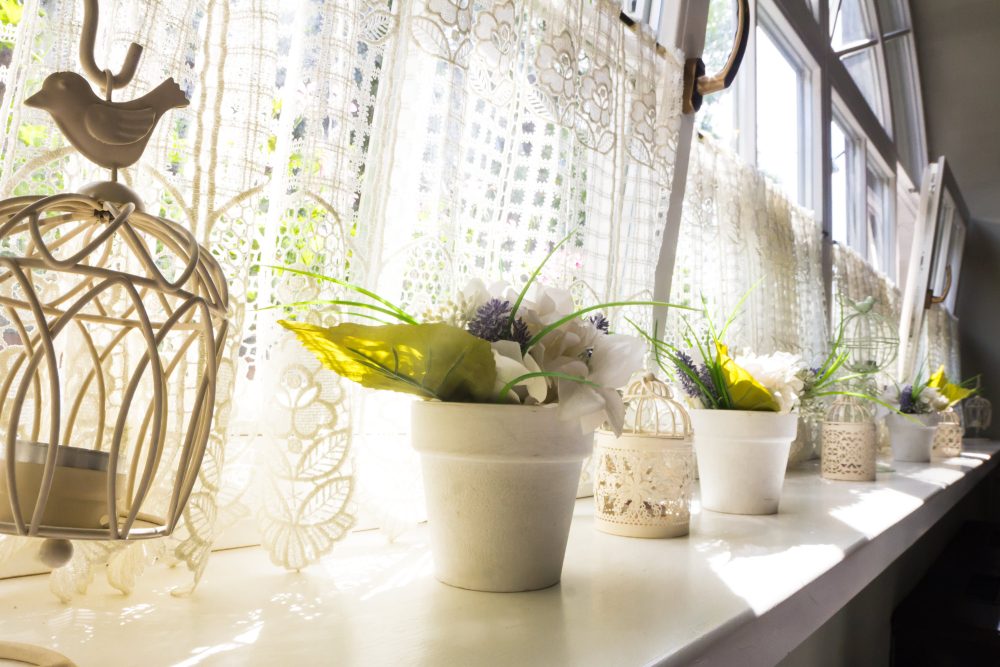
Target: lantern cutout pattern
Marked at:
850, 447
112, 322
870, 340
978, 413
643, 478
948, 435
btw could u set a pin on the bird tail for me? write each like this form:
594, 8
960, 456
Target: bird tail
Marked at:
168, 95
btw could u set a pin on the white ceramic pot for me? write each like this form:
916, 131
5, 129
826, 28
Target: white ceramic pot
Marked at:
742, 457
911, 439
500, 483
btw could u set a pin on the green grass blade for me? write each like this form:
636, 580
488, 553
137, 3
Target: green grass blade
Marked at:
406, 317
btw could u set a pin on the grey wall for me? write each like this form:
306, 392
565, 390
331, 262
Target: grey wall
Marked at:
978, 309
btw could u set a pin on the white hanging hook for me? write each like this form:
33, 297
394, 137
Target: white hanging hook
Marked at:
88, 38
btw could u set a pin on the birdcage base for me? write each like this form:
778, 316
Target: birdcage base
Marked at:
144, 528
30, 654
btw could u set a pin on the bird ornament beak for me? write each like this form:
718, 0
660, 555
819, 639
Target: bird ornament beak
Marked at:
37, 101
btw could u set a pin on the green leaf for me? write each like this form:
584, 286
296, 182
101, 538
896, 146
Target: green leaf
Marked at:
430, 360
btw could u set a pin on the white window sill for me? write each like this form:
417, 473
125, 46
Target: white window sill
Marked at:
739, 590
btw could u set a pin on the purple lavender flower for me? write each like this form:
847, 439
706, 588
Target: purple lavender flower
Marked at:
490, 322
685, 365
600, 322
906, 403
706, 379
519, 333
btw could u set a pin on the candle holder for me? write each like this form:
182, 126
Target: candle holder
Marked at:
849, 443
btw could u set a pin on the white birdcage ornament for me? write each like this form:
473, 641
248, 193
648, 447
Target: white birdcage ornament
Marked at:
871, 340
948, 435
643, 478
978, 412
850, 447
113, 323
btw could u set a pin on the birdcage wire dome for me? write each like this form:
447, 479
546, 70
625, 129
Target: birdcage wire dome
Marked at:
113, 322
652, 411
869, 338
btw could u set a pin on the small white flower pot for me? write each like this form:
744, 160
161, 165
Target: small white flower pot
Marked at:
742, 457
912, 439
500, 483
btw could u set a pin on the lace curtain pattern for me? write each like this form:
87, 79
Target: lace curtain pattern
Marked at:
738, 230
403, 146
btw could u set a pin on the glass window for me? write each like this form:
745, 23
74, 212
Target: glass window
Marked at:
892, 15
840, 181
881, 251
863, 68
849, 24
779, 116
906, 115
718, 112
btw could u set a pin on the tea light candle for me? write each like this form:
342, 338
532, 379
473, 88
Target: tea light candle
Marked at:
78, 494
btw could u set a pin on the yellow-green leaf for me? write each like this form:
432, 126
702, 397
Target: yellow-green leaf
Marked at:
430, 360
745, 392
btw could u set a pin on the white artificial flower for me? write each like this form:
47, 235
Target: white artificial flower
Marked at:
933, 399
778, 373
511, 364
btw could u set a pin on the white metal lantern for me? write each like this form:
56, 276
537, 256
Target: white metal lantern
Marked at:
849, 443
948, 436
643, 478
871, 340
112, 322
978, 413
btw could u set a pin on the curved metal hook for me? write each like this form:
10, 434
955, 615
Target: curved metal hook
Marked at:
88, 38
697, 85
947, 288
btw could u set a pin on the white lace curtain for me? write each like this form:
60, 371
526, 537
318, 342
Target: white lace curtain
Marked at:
738, 230
404, 146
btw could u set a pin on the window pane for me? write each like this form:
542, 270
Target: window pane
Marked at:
905, 106
881, 232
718, 112
779, 100
862, 68
892, 15
849, 23
840, 178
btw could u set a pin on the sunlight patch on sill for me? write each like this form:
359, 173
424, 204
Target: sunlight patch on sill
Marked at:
876, 510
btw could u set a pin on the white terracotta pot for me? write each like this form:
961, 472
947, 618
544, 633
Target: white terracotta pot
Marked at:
742, 457
500, 483
911, 440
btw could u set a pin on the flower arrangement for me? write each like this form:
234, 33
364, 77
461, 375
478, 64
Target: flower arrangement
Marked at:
491, 345
933, 394
712, 378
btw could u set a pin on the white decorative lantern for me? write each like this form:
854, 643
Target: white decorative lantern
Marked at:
948, 436
849, 442
978, 413
113, 323
870, 340
643, 478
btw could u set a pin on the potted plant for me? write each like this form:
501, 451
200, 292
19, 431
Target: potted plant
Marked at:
913, 428
513, 383
743, 416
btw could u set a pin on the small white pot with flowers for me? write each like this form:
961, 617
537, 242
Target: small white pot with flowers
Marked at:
912, 430
514, 385
743, 416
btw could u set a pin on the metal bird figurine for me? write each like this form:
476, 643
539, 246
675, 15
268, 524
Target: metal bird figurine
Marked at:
110, 134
